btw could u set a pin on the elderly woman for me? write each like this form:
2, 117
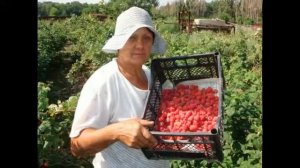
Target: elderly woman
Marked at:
107, 120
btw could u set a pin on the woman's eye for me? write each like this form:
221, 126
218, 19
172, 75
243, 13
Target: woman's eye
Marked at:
132, 38
147, 38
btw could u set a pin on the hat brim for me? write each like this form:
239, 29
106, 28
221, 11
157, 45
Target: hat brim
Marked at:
116, 42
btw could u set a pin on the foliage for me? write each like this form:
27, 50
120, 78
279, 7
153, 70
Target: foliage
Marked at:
245, 20
53, 131
242, 11
51, 39
43, 101
168, 25
65, 9
117, 6
112, 7
225, 16
65, 46
248, 21
88, 37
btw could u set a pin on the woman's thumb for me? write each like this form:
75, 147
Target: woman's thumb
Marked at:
146, 123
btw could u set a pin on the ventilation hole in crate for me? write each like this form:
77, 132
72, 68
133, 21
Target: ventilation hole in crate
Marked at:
179, 74
162, 65
168, 64
192, 61
180, 63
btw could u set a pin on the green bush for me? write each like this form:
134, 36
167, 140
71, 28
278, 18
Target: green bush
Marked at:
51, 39
53, 131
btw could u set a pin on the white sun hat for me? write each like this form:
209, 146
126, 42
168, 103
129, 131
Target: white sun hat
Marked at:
127, 23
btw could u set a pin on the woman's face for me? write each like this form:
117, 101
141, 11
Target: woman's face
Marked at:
137, 49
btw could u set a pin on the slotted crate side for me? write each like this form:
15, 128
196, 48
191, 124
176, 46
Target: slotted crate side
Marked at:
178, 69
196, 147
153, 102
182, 68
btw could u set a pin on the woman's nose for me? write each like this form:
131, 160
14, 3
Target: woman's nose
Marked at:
139, 43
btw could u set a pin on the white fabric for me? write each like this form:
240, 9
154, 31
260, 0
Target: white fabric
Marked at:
127, 23
108, 97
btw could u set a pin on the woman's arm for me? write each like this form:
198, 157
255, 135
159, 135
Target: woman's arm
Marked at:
133, 133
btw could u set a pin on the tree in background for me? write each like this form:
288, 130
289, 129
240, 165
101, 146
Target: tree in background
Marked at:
251, 9
168, 10
210, 9
94, 8
238, 11
116, 6
196, 7
226, 10
66, 9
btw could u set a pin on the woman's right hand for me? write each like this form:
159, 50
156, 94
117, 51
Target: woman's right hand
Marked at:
135, 134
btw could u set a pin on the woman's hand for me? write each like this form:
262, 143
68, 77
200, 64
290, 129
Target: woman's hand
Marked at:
134, 133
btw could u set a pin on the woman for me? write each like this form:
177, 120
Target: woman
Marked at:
107, 120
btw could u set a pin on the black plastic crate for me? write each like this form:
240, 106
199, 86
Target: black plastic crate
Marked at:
194, 145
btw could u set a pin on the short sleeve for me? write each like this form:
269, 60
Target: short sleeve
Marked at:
94, 105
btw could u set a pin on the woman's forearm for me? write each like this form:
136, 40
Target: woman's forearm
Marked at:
132, 132
92, 141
